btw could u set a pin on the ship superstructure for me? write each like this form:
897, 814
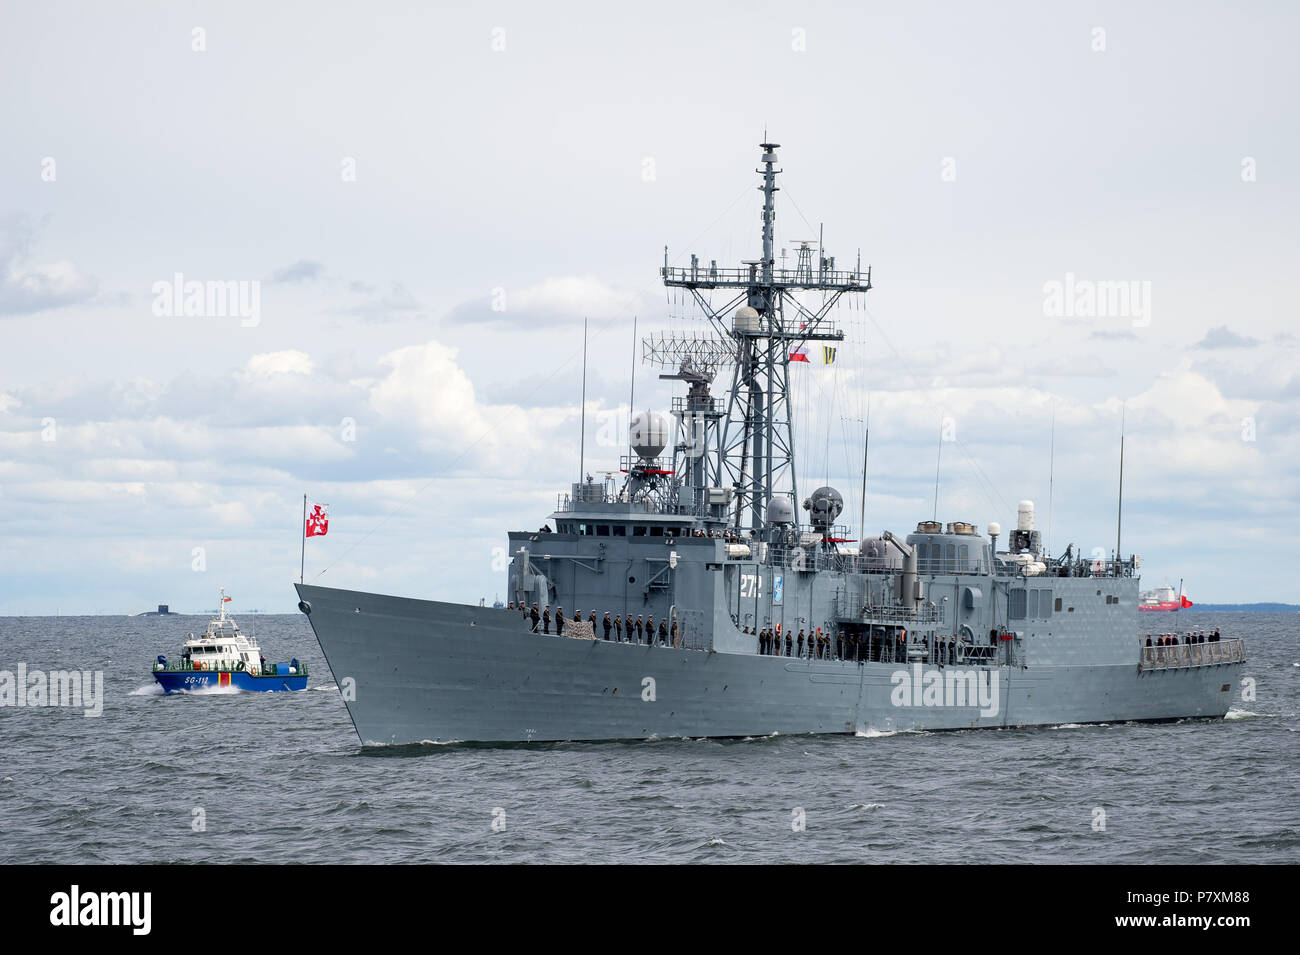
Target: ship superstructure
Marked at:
744, 608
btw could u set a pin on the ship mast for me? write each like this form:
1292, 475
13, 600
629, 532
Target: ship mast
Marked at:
762, 323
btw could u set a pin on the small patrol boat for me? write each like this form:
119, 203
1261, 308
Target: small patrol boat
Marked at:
225, 657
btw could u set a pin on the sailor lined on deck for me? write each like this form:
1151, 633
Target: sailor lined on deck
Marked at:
618, 628
640, 628
559, 621
650, 630
534, 617
546, 619
663, 633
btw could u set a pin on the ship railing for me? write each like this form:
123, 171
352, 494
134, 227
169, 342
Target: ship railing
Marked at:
849, 609
269, 670
709, 277
1108, 567
1183, 655
709, 407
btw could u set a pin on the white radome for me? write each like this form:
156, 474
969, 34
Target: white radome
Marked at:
1025, 516
649, 433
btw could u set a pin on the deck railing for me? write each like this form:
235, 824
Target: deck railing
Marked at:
270, 669
1183, 655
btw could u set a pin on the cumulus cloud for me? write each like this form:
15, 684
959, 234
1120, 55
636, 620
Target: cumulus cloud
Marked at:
26, 287
291, 362
424, 386
1221, 337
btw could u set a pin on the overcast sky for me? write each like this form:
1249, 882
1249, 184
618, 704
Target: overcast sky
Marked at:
387, 173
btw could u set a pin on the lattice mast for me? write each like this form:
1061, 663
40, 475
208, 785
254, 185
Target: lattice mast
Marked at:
756, 446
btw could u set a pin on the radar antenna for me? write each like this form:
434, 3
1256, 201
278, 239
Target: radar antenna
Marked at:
755, 457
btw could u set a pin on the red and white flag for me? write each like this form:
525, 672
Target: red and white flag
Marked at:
800, 354
318, 520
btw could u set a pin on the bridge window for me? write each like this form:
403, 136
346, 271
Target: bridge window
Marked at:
638, 530
602, 530
656, 531
620, 530
1044, 603
1033, 603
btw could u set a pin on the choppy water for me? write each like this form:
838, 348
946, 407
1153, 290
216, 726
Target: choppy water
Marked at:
281, 777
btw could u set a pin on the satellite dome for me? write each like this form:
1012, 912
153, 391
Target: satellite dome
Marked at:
649, 433
746, 319
780, 510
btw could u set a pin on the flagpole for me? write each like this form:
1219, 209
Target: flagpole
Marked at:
302, 529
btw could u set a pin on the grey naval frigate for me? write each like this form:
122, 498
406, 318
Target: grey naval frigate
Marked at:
762, 620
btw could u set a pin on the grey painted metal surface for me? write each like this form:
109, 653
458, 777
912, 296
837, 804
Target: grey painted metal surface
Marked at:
440, 672
1027, 638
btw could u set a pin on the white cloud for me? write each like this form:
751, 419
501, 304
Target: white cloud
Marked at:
289, 362
28, 288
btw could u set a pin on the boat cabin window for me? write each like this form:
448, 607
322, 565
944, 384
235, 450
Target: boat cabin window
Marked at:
620, 530
638, 530
602, 530
656, 531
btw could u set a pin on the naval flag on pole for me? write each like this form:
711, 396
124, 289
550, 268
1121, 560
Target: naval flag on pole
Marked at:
318, 520
315, 523
800, 354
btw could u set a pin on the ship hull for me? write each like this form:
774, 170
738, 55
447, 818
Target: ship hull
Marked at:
187, 681
414, 671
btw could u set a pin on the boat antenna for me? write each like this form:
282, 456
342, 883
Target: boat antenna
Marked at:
1051, 474
631, 398
1119, 516
582, 439
866, 443
302, 532
938, 456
